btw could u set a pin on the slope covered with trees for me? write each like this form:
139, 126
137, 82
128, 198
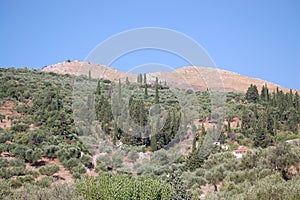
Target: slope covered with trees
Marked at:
139, 140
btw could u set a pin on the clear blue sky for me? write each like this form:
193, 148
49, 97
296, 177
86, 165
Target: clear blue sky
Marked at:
255, 38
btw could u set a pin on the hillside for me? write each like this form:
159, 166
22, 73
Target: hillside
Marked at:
188, 77
83, 68
79, 137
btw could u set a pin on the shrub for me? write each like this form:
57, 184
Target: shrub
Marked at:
50, 151
15, 183
34, 192
49, 170
5, 173
5, 189
44, 182
32, 156
3, 162
2, 117
79, 169
6, 136
33, 173
18, 151
20, 127
26, 179
76, 175
21, 138
69, 164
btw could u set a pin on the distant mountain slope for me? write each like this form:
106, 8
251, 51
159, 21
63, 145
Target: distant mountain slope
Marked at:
191, 76
82, 68
186, 77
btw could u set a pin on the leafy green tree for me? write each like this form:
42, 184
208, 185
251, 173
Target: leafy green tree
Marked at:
282, 157
217, 166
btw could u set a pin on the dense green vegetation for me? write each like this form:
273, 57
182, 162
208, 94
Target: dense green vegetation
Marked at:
87, 127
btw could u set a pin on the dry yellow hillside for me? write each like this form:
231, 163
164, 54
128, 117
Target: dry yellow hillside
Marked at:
190, 77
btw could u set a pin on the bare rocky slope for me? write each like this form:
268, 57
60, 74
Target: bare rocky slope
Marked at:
190, 77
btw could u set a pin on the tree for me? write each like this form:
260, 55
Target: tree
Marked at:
264, 96
180, 192
203, 131
252, 94
262, 137
292, 120
145, 79
119, 91
153, 143
146, 91
216, 167
140, 78
156, 99
215, 175
282, 157
116, 133
127, 81
98, 89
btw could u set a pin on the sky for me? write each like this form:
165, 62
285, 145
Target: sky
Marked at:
257, 38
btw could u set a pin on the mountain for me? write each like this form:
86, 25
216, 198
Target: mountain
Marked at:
83, 68
189, 77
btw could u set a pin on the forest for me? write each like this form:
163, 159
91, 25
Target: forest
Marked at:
75, 137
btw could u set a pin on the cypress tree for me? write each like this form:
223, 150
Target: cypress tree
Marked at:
98, 89
119, 91
252, 94
194, 148
262, 93
146, 91
145, 79
228, 126
127, 81
57, 100
153, 143
203, 132
262, 138
115, 135
156, 99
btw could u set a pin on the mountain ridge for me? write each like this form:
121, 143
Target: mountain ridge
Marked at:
186, 77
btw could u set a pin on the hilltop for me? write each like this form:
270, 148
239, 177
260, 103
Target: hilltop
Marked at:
188, 77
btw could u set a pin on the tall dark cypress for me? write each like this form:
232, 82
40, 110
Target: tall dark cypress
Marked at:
156, 99
98, 89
